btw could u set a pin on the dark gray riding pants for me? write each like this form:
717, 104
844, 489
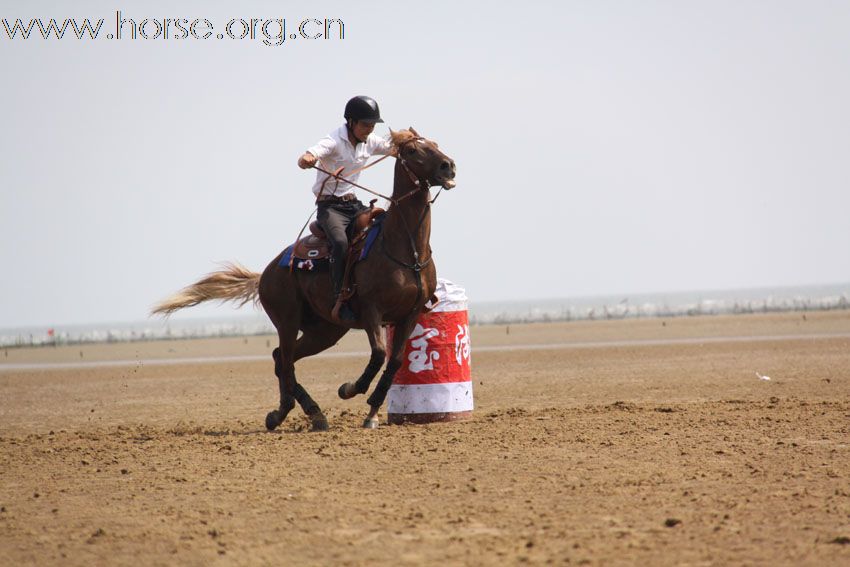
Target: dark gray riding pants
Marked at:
335, 218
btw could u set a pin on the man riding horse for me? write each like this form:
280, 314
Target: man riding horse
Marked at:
344, 151
394, 280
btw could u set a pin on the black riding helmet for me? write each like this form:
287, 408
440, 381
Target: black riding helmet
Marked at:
363, 108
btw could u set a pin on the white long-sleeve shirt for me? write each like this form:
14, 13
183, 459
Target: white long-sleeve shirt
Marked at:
335, 151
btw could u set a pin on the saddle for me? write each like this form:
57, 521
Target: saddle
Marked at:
315, 246
313, 251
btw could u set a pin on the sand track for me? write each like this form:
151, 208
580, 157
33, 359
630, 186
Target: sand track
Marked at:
660, 454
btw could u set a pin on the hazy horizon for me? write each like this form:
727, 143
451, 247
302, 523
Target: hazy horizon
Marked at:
216, 312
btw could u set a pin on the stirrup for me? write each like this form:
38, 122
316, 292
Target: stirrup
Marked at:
342, 312
345, 294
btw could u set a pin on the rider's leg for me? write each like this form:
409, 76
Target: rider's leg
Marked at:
335, 222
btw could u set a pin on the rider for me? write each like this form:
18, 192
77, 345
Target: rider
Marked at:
348, 147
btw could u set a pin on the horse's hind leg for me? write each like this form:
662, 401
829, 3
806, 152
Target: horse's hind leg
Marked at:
287, 401
278, 295
315, 338
284, 369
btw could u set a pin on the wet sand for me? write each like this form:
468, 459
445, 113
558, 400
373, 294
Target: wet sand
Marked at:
593, 442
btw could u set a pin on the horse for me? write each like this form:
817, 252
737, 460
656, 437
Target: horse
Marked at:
394, 283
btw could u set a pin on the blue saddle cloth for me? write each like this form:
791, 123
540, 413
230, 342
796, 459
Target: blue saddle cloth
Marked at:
372, 235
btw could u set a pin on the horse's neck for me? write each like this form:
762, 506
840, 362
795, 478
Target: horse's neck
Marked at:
411, 214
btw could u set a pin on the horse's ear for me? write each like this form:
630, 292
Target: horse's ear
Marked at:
395, 136
414, 132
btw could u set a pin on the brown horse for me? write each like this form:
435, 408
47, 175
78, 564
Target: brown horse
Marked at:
394, 282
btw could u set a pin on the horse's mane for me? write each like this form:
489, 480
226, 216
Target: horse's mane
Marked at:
402, 136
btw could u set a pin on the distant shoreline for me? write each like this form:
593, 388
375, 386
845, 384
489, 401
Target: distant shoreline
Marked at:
620, 311
623, 311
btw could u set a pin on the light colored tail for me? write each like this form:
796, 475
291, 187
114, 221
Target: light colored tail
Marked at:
233, 283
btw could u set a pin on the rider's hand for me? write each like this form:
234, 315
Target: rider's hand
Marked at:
307, 161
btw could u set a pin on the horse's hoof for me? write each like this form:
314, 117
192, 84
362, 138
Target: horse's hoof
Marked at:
273, 419
320, 423
345, 393
371, 423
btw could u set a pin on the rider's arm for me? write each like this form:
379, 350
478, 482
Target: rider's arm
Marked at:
322, 149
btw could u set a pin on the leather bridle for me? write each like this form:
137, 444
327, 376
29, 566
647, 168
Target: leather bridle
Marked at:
420, 183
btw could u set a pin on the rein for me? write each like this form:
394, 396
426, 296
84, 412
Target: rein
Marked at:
416, 266
413, 178
420, 184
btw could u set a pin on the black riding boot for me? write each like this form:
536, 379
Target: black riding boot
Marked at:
337, 273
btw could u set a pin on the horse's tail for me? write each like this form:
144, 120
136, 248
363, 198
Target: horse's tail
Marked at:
233, 283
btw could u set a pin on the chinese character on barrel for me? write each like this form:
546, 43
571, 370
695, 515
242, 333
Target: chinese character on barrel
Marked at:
434, 382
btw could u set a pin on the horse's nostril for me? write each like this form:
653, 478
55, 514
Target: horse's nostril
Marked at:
445, 165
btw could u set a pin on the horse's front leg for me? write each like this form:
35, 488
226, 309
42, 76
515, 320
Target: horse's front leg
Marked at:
400, 335
372, 326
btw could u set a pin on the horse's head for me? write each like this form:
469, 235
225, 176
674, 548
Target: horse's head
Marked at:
424, 159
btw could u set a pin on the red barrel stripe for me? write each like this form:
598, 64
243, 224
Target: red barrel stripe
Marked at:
438, 350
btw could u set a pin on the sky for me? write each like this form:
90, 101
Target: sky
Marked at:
602, 147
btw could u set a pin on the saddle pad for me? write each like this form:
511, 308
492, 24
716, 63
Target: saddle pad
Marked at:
372, 235
286, 258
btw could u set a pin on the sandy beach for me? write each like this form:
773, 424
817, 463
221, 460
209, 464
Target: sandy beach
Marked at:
594, 442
